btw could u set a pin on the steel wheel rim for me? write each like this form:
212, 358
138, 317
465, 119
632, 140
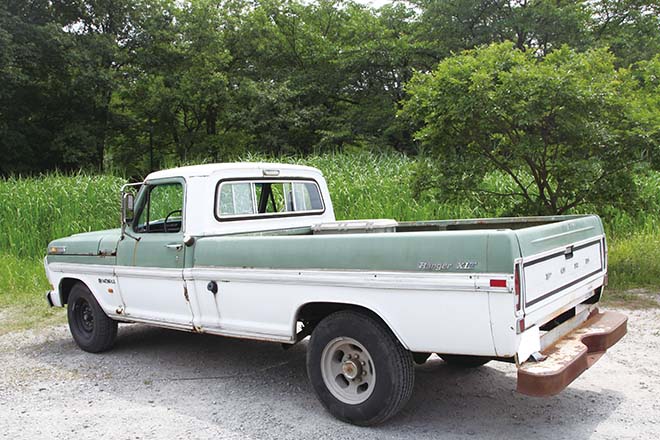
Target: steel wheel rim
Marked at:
348, 370
84, 316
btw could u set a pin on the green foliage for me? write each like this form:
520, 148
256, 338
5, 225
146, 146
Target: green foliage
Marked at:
539, 25
35, 211
647, 109
22, 287
635, 261
566, 129
630, 28
18, 275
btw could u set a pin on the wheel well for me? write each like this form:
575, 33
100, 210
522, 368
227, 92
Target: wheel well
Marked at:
311, 314
66, 284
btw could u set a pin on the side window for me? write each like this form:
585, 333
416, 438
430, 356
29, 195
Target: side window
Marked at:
307, 197
237, 199
267, 198
162, 210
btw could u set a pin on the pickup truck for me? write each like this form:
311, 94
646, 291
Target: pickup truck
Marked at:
254, 251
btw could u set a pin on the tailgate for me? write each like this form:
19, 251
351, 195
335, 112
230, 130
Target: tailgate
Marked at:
561, 265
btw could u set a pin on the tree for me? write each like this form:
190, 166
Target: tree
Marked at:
564, 128
630, 28
449, 26
647, 109
44, 122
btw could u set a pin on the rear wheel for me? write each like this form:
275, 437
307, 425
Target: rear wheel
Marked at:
90, 327
359, 370
464, 361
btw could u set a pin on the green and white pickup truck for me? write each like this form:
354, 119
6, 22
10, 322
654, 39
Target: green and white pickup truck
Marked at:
254, 251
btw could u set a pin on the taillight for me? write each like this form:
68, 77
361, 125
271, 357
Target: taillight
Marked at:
498, 283
516, 288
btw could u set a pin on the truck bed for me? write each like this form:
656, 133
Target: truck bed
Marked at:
489, 245
505, 276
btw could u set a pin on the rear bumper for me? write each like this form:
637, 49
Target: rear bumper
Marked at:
571, 355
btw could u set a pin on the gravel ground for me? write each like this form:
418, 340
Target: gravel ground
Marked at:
161, 384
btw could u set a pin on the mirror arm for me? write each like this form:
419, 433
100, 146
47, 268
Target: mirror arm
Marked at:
125, 233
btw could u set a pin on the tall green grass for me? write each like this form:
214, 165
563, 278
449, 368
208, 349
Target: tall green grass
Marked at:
35, 210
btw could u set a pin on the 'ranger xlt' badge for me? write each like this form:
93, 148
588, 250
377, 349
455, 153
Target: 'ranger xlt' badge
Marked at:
434, 267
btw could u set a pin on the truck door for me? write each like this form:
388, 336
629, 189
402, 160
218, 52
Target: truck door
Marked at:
150, 263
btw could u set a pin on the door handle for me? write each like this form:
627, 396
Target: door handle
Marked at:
177, 246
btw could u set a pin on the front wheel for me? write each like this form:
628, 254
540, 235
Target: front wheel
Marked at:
359, 370
90, 327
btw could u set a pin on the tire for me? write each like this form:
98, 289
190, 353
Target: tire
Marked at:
464, 361
90, 327
350, 344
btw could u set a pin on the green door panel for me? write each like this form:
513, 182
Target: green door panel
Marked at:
150, 245
153, 250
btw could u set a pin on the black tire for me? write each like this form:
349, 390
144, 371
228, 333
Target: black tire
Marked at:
464, 361
90, 327
393, 365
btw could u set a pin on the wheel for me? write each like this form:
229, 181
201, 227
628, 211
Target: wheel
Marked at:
359, 370
90, 327
459, 360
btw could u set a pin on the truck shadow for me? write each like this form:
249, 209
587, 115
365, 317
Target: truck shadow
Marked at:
247, 385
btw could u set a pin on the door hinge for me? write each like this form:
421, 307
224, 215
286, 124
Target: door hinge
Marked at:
185, 293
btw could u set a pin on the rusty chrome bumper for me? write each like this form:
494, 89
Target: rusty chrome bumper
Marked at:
571, 355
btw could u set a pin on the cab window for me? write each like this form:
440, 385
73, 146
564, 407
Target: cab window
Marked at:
162, 209
263, 198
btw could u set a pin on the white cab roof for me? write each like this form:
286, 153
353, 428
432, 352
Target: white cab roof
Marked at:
212, 168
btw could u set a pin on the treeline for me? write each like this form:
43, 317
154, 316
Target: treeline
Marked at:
134, 85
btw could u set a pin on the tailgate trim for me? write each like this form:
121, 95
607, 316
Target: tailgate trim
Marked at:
562, 252
566, 286
571, 355
600, 241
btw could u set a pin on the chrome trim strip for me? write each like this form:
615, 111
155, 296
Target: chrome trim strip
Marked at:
404, 280
562, 234
87, 269
346, 278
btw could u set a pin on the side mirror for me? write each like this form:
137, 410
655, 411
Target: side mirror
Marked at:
127, 207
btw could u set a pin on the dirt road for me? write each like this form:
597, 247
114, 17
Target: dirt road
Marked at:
161, 384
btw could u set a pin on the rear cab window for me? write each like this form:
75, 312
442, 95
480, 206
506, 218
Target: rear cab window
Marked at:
267, 198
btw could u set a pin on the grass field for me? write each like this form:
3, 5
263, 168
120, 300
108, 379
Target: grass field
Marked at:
36, 210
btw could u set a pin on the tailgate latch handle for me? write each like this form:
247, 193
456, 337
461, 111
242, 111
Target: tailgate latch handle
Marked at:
568, 253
